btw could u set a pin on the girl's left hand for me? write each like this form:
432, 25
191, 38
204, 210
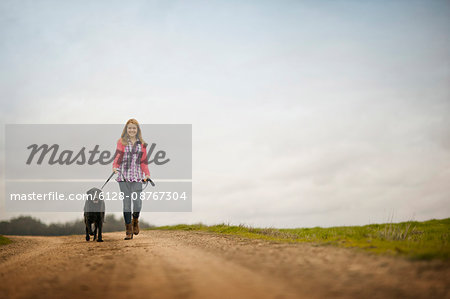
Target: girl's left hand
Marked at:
146, 178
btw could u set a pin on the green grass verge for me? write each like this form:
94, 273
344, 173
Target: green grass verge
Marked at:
415, 240
4, 241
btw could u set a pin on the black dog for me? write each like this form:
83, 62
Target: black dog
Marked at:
94, 212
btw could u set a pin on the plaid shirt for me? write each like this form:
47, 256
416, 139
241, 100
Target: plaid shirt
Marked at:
130, 166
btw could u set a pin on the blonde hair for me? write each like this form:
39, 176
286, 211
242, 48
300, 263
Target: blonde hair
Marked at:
124, 135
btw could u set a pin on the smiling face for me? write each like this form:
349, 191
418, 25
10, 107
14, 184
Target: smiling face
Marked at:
132, 130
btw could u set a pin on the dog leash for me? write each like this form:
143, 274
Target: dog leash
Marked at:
146, 182
107, 180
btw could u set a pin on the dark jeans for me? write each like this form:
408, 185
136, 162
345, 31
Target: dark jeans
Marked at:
128, 188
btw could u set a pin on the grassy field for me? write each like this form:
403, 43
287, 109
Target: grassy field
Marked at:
4, 241
415, 240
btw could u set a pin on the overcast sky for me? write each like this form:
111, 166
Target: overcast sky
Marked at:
304, 113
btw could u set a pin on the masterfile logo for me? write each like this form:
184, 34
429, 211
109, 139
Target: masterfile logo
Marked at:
68, 159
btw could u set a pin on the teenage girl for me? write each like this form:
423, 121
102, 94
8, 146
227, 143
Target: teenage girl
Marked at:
131, 166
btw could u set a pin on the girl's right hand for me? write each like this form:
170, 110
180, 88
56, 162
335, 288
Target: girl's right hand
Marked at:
115, 170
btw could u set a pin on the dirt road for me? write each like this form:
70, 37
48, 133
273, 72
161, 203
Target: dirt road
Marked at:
169, 264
